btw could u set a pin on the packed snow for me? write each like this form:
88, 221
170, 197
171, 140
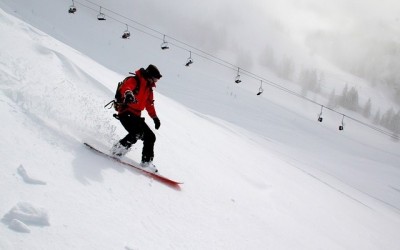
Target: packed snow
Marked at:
259, 172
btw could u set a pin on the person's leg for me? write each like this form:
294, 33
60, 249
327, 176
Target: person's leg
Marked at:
134, 126
149, 138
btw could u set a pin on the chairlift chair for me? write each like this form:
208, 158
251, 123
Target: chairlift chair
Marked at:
189, 60
320, 115
72, 9
101, 16
164, 44
237, 79
341, 127
126, 33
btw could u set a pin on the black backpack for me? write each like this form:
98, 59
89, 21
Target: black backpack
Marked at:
118, 98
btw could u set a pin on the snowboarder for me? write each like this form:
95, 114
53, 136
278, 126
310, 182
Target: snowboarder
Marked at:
136, 95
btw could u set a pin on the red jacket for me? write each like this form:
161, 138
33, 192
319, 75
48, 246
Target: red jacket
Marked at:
144, 97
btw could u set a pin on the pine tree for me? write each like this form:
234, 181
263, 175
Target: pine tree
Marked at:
268, 58
377, 117
396, 123
332, 99
367, 109
286, 69
309, 81
353, 99
387, 118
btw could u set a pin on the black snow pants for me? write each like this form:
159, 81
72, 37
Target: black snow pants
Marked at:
138, 130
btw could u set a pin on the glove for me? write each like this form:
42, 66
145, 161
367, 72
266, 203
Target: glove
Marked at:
129, 97
157, 122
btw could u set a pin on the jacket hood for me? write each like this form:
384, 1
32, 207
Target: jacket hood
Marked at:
141, 73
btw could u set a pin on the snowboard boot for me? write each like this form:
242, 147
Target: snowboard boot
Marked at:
149, 166
119, 150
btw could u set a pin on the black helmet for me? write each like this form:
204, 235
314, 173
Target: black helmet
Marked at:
152, 71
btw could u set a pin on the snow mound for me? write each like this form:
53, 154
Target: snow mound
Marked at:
25, 213
22, 172
19, 226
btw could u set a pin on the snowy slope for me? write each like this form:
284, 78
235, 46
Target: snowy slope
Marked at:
294, 185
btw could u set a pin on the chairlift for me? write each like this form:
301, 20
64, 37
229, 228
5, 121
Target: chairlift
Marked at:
164, 45
101, 16
72, 8
189, 60
320, 115
237, 79
341, 127
126, 33
260, 90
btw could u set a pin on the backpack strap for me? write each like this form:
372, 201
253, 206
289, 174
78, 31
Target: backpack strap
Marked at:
116, 103
137, 87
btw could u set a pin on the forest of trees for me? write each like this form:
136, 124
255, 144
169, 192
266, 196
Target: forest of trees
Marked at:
349, 99
310, 81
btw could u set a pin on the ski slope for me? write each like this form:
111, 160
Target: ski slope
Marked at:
257, 173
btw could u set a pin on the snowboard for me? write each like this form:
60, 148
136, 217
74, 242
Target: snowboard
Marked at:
153, 175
